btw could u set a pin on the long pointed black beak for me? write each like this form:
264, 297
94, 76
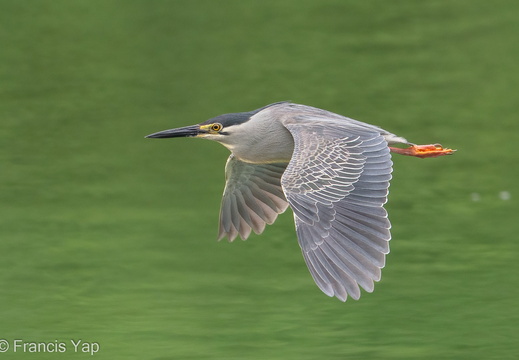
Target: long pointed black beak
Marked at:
187, 131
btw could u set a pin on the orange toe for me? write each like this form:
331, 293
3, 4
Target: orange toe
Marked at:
423, 151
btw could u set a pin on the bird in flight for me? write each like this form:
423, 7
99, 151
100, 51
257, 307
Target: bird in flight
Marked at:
331, 170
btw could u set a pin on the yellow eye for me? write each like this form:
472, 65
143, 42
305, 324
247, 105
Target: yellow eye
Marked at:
216, 127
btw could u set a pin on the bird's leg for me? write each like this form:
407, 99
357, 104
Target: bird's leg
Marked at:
423, 151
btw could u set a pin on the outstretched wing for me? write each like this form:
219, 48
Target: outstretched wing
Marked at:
337, 183
252, 198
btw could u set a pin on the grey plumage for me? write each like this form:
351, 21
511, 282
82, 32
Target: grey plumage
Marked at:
332, 171
252, 198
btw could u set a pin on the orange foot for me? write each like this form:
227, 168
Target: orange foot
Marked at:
423, 151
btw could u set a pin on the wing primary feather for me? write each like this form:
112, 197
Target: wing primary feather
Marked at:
341, 282
322, 283
355, 258
365, 281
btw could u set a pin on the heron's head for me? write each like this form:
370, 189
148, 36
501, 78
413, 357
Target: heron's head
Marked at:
228, 129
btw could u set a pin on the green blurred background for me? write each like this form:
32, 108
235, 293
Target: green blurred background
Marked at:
110, 238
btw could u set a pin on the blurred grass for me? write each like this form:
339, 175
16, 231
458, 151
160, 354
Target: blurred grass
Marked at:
108, 237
